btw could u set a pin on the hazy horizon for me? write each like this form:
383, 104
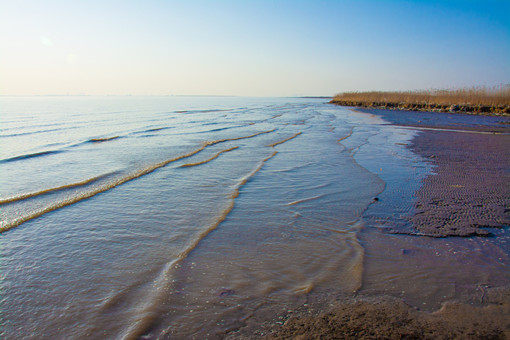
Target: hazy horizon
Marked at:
250, 48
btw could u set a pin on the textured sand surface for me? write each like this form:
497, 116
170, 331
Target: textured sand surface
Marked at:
470, 188
393, 319
468, 192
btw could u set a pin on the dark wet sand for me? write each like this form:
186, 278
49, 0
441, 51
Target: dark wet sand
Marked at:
387, 318
470, 191
468, 194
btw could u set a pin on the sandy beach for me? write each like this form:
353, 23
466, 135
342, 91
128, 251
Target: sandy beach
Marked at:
467, 196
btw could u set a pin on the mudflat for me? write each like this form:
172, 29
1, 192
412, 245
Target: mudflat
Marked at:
387, 318
468, 192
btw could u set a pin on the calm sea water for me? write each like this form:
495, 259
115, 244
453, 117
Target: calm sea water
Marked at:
183, 217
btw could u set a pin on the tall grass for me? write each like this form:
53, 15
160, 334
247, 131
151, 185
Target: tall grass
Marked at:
475, 96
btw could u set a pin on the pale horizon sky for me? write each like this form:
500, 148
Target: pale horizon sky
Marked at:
250, 48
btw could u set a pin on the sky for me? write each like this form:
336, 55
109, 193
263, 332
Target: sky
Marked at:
250, 48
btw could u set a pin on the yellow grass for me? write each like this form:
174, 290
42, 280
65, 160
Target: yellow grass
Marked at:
495, 96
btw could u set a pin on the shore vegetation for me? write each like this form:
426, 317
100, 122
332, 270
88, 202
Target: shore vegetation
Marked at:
475, 100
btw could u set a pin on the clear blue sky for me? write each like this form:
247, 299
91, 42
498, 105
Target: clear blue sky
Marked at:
255, 48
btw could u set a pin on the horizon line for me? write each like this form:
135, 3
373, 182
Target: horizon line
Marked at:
157, 95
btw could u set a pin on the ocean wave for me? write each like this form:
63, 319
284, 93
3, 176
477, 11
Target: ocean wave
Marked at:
202, 111
30, 155
55, 189
158, 129
187, 165
33, 132
155, 129
6, 225
101, 140
284, 140
148, 313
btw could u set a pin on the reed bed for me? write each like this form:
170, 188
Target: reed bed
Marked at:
477, 100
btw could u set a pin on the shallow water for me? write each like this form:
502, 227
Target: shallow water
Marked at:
183, 216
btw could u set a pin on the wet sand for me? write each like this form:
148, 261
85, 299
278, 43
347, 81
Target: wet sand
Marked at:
466, 195
469, 194
387, 318
468, 191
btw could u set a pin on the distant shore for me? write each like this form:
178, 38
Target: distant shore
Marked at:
501, 110
478, 101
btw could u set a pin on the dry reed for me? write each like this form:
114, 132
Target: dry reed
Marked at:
476, 100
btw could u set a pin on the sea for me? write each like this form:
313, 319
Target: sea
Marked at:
130, 217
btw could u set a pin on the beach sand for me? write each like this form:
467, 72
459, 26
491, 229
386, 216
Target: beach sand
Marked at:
386, 318
466, 195
470, 193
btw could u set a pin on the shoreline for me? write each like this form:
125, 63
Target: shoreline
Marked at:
489, 110
471, 178
467, 194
